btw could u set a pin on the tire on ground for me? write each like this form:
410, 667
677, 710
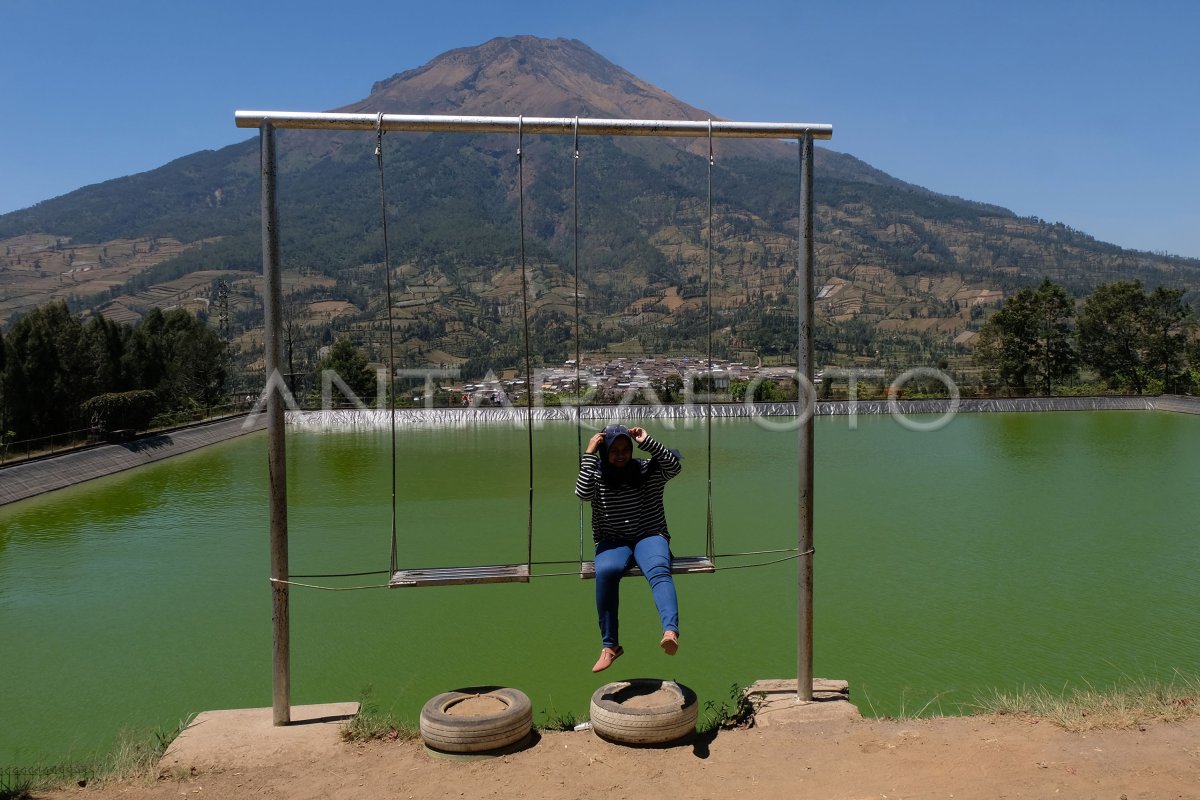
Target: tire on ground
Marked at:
644, 711
448, 732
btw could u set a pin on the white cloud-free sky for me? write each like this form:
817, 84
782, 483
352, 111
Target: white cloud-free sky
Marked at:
1077, 111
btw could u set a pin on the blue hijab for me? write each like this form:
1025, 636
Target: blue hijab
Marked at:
631, 474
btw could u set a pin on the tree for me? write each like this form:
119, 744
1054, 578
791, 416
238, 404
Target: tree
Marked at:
178, 357
294, 333
1191, 375
1056, 358
765, 391
1027, 343
145, 358
1168, 325
1110, 333
103, 344
1004, 344
44, 364
1128, 336
350, 364
669, 388
3, 404
198, 372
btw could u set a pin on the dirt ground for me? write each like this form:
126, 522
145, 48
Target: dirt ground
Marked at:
958, 757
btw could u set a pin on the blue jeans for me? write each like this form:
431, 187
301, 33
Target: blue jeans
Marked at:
653, 556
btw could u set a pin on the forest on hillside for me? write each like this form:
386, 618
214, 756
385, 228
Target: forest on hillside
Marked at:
61, 372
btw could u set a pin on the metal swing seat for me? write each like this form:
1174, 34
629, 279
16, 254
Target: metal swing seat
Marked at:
680, 565
460, 576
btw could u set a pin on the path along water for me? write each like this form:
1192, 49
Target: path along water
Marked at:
19, 481
1003, 550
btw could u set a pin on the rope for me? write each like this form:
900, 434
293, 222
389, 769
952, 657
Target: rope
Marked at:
742, 554
758, 552
387, 269
525, 316
709, 543
329, 588
575, 234
345, 574
578, 329
571, 574
769, 563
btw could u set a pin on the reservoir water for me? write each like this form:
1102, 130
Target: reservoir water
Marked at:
1004, 550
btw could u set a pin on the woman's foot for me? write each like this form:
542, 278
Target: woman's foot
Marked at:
607, 656
670, 642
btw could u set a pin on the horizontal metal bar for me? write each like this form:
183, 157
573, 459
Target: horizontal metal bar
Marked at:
721, 129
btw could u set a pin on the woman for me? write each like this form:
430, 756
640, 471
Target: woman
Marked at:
629, 524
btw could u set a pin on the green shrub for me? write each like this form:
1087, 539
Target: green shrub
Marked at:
122, 410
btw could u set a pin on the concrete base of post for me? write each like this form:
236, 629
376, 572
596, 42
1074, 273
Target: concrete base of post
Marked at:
246, 737
775, 702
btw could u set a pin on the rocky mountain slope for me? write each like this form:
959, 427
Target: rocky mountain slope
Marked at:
903, 272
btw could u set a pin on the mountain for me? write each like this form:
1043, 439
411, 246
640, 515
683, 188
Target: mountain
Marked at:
904, 273
560, 78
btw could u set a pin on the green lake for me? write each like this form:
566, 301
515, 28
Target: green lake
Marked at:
1004, 550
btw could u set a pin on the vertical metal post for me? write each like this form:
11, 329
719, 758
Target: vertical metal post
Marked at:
804, 655
281, 674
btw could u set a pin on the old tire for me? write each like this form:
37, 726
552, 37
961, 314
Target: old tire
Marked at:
644, 711
476, 720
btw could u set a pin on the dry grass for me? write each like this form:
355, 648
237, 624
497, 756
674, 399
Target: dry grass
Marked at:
134, 757
1130, 704
908, 711
371, 724
382, 727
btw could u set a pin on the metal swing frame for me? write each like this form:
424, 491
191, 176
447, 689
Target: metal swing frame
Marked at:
266, 122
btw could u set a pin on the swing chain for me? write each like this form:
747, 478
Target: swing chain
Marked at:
394, 563
709, 537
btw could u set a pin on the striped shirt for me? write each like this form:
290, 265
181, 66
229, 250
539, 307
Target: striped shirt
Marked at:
628, 512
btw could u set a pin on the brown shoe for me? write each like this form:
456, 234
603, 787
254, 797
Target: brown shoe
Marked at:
670, 642
607, 656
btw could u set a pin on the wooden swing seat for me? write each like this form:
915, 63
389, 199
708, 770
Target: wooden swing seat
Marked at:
458, 576
680, 565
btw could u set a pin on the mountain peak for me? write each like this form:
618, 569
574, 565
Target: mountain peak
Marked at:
507, 76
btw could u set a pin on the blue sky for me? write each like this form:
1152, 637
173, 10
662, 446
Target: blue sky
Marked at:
1086, 113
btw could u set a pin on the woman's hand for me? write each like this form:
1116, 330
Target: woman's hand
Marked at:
639, 434
594, 443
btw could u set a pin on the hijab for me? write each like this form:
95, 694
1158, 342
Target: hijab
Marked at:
630, 474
